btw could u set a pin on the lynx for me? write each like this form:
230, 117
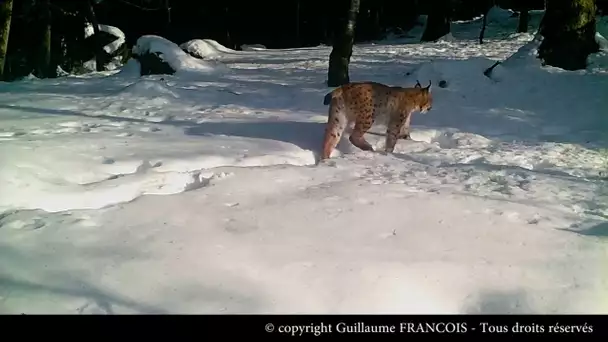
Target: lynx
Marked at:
364, 103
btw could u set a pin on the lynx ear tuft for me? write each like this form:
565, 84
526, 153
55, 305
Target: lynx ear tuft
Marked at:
428, 88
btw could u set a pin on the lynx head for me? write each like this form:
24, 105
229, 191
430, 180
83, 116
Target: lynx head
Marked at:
425, 98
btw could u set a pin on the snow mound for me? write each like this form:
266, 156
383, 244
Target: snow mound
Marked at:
599, 61
447, 38
205, 48
171, 53
601, 26
150, 89
499, 15
131, 69
253, 47
602, 42
54, 197
115, 175
525, 57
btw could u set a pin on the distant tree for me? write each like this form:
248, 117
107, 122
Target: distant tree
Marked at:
439, 19
97, 45
342, 49
297, 22
484, 23
524, 16
6, 13
568, 31
44, 68
167, 13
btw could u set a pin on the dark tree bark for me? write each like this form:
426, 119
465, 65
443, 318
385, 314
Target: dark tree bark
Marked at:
484, 23
439, 19
6, 14
298, 40
568, 31
227, 15
342, 49
43, 67
99, 60
374, 20
524, 17
168, 10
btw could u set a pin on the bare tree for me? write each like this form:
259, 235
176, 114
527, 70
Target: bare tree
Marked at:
97, 42
43, 66
342, 49
484, 23
524, 16
6, 14
168, 12
439, 19
298, 22
568, 31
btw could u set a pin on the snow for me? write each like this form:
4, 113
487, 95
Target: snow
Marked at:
116, 32
252, 47
177, 59
599, 61
205, 48
172, 194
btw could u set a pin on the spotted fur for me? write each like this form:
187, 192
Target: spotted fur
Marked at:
365, 103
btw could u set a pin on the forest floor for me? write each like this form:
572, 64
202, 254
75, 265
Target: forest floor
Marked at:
199, 193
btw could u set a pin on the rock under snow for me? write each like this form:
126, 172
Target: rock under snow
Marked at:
205, 48
158, 55
252, 47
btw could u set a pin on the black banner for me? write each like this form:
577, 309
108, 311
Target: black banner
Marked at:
286, 326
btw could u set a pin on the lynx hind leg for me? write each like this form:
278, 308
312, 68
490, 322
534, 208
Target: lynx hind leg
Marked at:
336, 123
362, 125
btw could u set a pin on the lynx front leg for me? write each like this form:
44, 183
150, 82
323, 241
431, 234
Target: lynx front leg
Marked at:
395, 129
404, 132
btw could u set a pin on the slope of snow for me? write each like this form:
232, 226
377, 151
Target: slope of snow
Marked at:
172, 194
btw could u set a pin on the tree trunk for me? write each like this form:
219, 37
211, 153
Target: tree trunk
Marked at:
229, 42
342, 49
375, 20
99, 60
6, 14
438, 22
568, 31
168, 10
298, 40
484, 23
43, 69
524, 17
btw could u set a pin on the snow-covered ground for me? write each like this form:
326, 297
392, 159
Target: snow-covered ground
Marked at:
499, 205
